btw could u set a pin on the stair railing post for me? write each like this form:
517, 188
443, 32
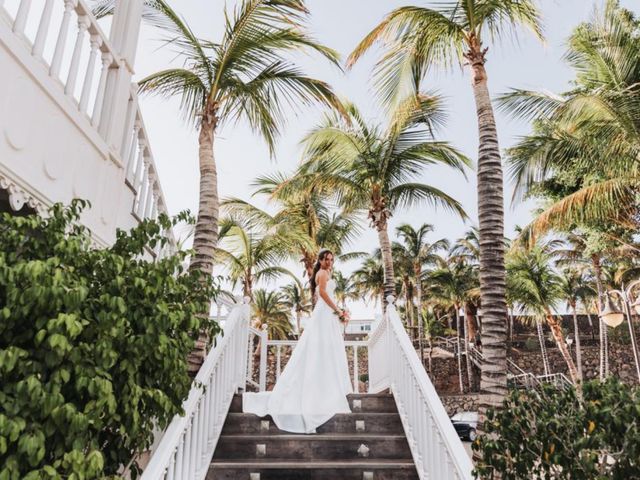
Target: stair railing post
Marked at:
264, 337
244, 347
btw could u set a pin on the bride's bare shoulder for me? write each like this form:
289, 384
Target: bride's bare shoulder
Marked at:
322, 275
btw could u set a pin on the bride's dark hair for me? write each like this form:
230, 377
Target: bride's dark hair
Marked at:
316, 269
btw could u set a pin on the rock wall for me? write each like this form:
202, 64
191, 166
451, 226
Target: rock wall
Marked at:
460, 403
621, 362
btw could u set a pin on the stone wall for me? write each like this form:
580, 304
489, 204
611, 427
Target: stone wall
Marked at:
460, 403
621, 362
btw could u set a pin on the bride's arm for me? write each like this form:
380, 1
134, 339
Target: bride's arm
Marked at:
323, 278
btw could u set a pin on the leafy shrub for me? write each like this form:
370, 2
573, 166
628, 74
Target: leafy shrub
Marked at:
555, 434
93, 344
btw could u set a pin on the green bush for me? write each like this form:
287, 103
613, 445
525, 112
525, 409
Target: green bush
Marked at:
532, 344
554, 434
93, 344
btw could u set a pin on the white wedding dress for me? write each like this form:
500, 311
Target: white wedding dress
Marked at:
314, 384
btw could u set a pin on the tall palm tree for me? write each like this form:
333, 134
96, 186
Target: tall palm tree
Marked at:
269, 308
244, 76
297, 299
251, 256
539, 287
419, 254
416, 39
372, 167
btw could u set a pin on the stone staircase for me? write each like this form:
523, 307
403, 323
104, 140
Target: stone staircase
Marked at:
368, 444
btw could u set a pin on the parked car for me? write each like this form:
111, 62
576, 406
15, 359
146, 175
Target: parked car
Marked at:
465, 424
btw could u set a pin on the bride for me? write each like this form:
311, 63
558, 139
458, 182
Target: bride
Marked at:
314, 385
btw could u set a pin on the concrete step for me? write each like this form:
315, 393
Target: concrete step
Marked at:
316, 447
365, 403
276, 469
389, 423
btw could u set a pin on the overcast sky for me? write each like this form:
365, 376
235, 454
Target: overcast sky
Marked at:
340, 24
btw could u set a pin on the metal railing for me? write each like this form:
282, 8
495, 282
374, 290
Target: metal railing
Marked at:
437, 451
187, 446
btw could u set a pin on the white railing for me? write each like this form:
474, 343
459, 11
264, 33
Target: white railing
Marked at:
187, 446
62, 44
66, 38
437, 451
279, 346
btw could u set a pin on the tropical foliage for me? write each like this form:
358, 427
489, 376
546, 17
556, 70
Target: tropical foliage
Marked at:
93, 344
589, 435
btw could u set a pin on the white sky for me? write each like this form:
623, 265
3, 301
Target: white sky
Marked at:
340, 24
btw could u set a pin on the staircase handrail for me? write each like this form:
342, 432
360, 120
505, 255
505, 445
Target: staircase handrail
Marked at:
188, 443
559, 380
437, 451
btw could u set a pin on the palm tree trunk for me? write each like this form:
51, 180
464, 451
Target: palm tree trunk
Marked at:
576, 333
543, 347
493, 383
387, 261
604, 347
466, 353
206, 231
459, 348
556, 330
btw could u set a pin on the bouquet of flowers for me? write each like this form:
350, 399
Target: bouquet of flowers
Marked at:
344, 316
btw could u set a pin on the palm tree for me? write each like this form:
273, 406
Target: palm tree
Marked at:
345, 289
371, 167
269, 308
418, 38
419, 253
451, 286
575, 286
368, 280
251, 256
244, 76
305, 211
539, 289
297, 299
590, 134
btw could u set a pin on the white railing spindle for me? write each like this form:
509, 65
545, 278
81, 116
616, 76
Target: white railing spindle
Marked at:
43, 28
83, 25
21, 17
96, 41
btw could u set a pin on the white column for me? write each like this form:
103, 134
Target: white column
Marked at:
96, 41
124, 34
83, 25
21, 17
107, 60
69, 5
43, 29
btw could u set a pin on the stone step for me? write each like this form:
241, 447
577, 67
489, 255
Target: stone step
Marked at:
366, 403
390, 423
312, 447
276, 469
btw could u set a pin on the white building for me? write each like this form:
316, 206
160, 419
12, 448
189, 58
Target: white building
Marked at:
70, 125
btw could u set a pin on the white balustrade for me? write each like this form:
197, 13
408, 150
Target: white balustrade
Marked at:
437, 451
187, 446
